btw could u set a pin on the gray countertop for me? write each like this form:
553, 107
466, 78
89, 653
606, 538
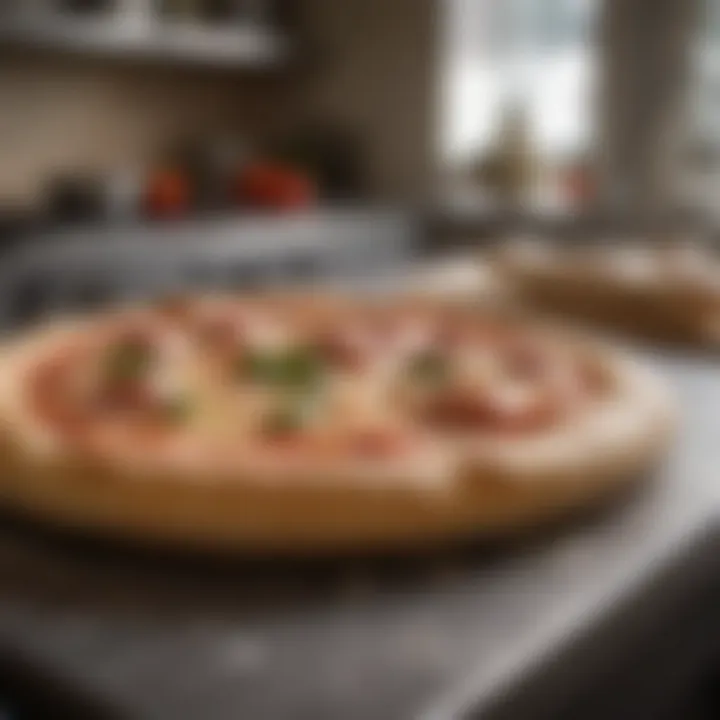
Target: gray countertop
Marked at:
414, 638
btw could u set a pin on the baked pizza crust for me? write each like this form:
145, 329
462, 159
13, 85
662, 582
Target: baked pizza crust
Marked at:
500, 487
675, 308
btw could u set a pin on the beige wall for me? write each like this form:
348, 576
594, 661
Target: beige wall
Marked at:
373, 66
57, 113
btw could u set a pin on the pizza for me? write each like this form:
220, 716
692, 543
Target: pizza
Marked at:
301, 423
460, 278
667, 291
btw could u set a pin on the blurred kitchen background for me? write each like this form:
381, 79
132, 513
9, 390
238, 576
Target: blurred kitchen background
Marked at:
119, 109
147, 145
373, 129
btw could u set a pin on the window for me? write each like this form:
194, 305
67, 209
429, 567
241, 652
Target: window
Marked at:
538, 53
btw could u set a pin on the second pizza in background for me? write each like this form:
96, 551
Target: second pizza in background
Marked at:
665, 291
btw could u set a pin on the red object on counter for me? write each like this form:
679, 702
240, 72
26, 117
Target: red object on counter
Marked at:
274, 187
168, 194
580, 185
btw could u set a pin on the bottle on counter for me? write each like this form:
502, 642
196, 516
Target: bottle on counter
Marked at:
507, 172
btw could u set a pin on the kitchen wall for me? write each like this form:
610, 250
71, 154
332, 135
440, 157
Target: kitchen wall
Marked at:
58, 112
369, 64
647, 54
373, 65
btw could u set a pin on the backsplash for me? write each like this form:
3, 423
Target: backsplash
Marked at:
59, 114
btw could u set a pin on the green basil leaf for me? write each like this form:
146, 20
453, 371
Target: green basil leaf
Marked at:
295, 368
128, 360
177, 410
429, 366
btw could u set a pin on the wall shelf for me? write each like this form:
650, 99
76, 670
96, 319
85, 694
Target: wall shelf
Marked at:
232, 46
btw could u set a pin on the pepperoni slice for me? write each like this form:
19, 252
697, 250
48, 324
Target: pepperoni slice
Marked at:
178, 308
364, 340
459, 410
130, 396
58, 390
51, 394
346, 350
223, 333
457, 332
379, 443
524, 359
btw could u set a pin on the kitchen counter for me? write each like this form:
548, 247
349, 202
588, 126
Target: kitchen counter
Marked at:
423, 637
85, 267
